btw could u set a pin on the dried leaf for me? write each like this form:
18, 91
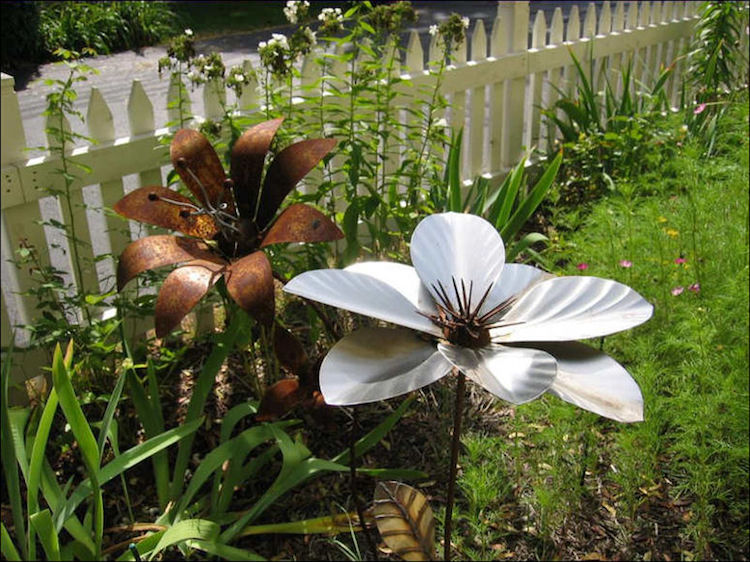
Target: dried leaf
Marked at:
166, 208
248, 157
200, 169
290, 165
405, 520
301, 223
181, 291
156, 251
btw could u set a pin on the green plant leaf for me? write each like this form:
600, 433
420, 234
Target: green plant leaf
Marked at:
188, 529
12, 440
6, 545
330, 524
223, 550
42, 522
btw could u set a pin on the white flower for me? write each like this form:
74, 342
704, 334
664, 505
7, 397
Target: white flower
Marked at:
239, 77
465, 23
189, 32
441, 123
278, 39
310, 34
434, 30
262, 45
501, 324
331, 14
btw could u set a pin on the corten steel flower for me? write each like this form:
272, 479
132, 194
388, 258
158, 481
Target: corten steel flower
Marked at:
508, 327
227, 225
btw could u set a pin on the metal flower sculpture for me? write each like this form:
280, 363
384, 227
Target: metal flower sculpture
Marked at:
502, 325
227, 225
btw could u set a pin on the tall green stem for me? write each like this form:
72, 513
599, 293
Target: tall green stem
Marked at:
458, 415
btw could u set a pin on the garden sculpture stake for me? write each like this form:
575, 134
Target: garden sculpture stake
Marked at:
508, 327
227, 225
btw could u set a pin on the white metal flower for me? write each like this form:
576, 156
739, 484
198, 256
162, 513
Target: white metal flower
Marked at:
508, 327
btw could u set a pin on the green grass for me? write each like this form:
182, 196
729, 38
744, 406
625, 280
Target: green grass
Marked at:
676, 484
208, 19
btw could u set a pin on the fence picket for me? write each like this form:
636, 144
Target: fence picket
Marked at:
476, 117
498, 133
115, 238
554, 77
657, 31
538, 41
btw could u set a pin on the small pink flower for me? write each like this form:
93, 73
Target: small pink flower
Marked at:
677, 291
626, 263
695, 287
679, 261
700, 109
582, 266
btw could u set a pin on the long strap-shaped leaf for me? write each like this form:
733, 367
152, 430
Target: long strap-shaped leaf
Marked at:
237, 334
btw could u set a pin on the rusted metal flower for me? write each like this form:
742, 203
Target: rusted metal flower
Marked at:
227, 225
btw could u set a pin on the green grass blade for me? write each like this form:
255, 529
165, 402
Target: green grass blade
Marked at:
500, 211
125, 461
223, 550
42, 522
375, 435
12, 440
236, 335
329, 524
454, 174
202, 529
523, 244
532, 201
6, 545
109, 413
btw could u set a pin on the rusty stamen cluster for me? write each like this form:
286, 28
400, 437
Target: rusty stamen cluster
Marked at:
462, 325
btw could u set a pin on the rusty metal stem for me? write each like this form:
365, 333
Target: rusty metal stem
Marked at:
455, 444
353, 486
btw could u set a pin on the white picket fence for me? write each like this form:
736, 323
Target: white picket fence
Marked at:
495, 89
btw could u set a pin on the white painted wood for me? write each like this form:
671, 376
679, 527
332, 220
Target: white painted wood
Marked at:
515, 19
498, 48
534, 101
179, 106
414, 54
476, 118
458, 104
249, 98
214, 99
661, 29
555, 78
572, 35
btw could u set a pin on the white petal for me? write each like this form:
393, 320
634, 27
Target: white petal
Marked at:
515, 279
460, 247
378, 363
571, 308
594, 381
401, 277
362, 294
514, 374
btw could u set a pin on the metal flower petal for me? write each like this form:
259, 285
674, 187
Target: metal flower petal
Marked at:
250, 283
200, 169
362, 294
287, 169
156, 251
248, 156
517, 375
181, 291
460, 249
572, 308
166, 208
301, 223
379, 363
594, 381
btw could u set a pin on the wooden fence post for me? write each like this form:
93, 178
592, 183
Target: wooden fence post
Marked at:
515, 19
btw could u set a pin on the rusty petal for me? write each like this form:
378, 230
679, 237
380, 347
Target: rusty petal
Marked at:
250, 284
156, 251
248, 157
182, 290
290, 165
289, 350
147, 204
278, 399
190, 150
301, 223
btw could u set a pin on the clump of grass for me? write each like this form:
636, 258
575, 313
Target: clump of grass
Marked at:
675, 484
